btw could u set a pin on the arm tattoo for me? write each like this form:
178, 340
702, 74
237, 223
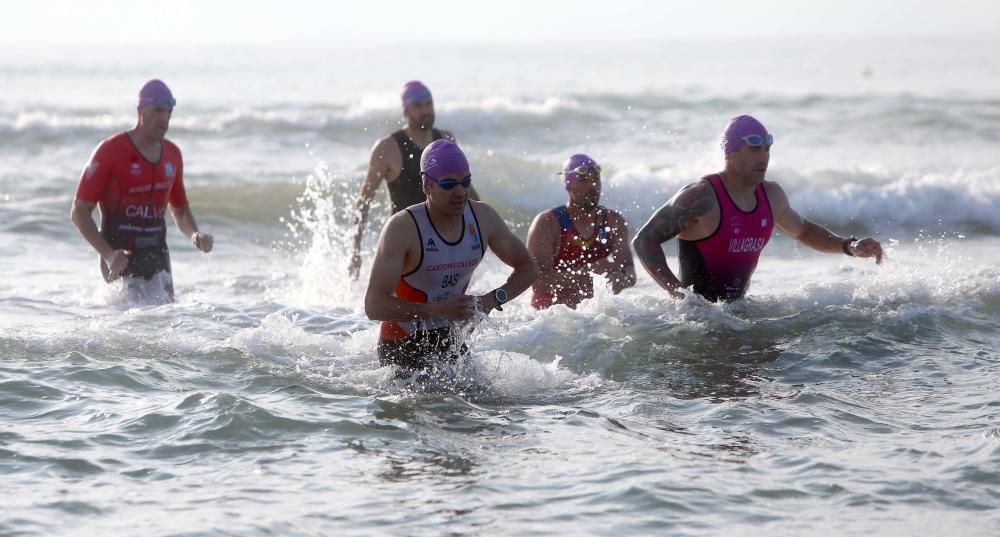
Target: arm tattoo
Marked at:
678, 214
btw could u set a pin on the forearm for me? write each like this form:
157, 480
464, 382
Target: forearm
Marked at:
625, 275
185, 221
621, 273
551, 277
612, 267
88, 229
361, 219
651, 256
821, 239
391, 308
521, 279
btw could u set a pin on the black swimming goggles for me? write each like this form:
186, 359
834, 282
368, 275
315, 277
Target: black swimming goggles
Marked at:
449, 184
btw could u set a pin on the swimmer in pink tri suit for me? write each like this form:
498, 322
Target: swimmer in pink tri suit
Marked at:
723, 221
133, 176
574, 241
425, 259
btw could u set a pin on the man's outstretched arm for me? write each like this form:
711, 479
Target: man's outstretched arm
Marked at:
813, 235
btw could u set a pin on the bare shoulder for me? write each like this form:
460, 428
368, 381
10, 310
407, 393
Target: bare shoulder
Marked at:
546, 217
489, 219
696, 198
399, 229
687, 212
385, 145
772, 187
615, 218
485, 212
775, 194
544, 222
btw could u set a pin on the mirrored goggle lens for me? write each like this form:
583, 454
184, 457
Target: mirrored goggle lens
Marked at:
756, 140
448, 184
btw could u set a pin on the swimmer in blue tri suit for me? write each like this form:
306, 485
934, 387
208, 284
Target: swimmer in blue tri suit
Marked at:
574, 241
723, 221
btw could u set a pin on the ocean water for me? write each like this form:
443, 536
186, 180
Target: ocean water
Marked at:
838, 398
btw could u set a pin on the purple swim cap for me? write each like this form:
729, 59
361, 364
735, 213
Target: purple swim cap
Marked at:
155, 93
737, 128
414, 92
443, 157
573, 164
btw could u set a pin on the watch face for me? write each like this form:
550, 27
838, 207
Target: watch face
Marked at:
500, 295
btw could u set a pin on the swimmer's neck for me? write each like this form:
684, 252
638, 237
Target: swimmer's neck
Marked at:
577, 210
421, 137
143, 139
448, 225
739, 187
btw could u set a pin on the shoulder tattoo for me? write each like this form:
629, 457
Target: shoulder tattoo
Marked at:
683, 210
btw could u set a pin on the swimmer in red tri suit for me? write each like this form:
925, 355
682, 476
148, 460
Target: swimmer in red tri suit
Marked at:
723, 221
573, 241
133, 176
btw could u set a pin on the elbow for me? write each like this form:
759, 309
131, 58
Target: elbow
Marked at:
75, 215
370, 309
641, 242
532, 270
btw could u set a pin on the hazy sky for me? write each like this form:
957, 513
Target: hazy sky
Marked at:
229, 21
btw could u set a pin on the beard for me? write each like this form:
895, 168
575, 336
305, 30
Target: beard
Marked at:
425, 123
590, 202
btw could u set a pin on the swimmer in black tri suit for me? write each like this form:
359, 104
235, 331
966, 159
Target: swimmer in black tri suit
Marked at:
395, 159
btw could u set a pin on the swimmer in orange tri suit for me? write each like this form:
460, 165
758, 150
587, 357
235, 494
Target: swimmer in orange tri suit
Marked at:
573, 241
723, 222
133, 176
425, 259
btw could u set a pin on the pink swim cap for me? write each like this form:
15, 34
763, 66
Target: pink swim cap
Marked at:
573, 164
443, 157
155, 93
737, 129
414, 92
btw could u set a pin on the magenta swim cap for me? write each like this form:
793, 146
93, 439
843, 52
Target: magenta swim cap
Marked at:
414, 92
155, 93
573, 164
738, 128
443, 157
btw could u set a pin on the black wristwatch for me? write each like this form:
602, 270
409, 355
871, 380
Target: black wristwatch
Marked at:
846, 247
501, 297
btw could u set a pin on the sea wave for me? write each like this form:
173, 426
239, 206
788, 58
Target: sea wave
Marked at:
848, 200
910, 116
